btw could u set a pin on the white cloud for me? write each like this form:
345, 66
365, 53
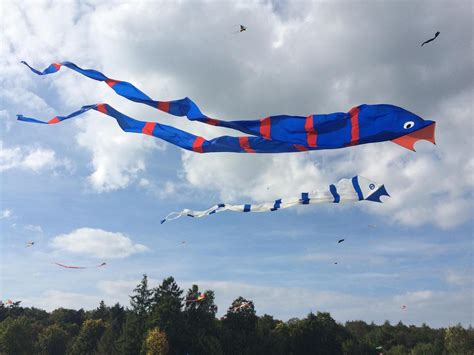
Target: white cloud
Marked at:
97, 243
33, 228
53, 299
6, 214
118, 158
459, 278
29, 158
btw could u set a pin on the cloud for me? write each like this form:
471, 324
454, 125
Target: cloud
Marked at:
53, 299
33, 228
6, 214
97, 243
118, 159
29, 158
459, 278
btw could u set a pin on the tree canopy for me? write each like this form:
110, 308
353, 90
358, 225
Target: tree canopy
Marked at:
168, 320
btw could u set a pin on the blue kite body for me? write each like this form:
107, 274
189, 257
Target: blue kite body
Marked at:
273, 134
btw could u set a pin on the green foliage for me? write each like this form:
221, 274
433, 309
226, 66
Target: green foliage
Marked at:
239, 328
161, 321
166, 313
200, 323
17, 336
135, 326
423, 349
53, 340
398, 350
109, 342
457, 341
130, 341
141, 299
155, 343
90, 334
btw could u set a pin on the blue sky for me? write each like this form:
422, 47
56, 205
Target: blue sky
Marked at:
86, 192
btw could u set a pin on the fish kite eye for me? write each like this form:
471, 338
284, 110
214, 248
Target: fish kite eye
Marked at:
408, 124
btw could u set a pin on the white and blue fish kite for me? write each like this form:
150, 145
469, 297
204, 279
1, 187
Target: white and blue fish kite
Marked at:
346, 190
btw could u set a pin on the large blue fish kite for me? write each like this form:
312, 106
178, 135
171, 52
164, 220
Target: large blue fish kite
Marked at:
274, 134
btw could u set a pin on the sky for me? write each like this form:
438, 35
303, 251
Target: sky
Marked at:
86, 192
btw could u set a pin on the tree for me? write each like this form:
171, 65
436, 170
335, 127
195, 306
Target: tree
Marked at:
130, 341
239, 328
137, 319
68, 319
423, 349
109, 342
270, 340
166, 314
17, 336
200, 323
457, 340
90, 334
101, 312
141, 299
156, 343
318, 331
53, 340
397, 350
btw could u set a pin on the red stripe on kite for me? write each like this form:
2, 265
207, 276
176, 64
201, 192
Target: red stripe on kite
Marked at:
164, 106
212, 121
311, 134
54, 120
197, 145
148, 128
244, 144
57, 66
354, 113
265, 127
102, 108
300, 147
112, 82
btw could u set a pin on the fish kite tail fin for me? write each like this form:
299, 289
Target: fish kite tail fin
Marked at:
125, 122
29, 119
172, 216
53, 68
375, 197
121, 88
57, 119
369, 190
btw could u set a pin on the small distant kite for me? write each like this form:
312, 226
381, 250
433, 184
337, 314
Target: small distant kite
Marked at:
10, 303
200, 298
239, 307
431, 39
335, 263
346, 190
363, 124
373, 226
80, 267
340, 241
29, 244
241, 29
404, 307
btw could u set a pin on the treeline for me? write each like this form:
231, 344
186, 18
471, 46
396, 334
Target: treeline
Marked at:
164, 320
